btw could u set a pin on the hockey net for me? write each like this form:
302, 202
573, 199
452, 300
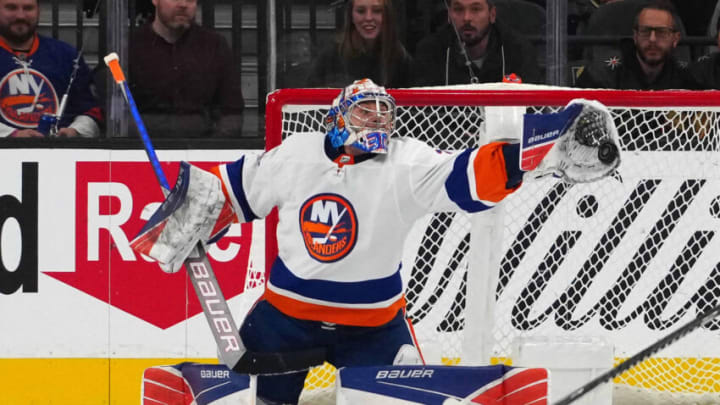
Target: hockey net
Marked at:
627, 259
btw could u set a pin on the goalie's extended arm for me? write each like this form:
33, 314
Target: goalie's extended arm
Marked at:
579, 144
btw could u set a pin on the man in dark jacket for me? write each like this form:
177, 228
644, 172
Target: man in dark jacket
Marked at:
646, 62
182, 76
473, 48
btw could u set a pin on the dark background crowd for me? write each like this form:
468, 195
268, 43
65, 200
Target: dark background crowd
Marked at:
202, 68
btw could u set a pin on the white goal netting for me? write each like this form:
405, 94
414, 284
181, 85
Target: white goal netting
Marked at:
627, 259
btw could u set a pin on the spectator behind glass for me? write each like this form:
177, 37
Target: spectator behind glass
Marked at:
706, 70
493, 50
369, 47
182, 76
36, 71
646, 63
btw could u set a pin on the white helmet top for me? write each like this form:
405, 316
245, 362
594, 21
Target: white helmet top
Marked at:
362, 116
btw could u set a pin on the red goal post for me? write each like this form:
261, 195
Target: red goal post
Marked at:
626, 259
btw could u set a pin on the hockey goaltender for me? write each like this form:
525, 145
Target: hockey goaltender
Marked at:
346, 199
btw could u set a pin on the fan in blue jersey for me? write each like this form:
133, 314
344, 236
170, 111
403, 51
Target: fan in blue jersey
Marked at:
346, 199
35, 73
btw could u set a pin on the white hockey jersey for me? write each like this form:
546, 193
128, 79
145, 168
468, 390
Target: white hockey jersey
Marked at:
342, 223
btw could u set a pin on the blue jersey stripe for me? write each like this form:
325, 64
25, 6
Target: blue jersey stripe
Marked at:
234, 171
360, 292
457, 184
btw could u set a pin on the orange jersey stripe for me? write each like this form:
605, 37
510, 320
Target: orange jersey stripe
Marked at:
227, 208
33, 47
342, 316
490, 173
216, 171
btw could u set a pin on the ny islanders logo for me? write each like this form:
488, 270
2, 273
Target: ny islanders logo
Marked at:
26, 95
329, 227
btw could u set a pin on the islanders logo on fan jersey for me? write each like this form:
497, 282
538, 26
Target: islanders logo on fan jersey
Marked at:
329, 227
26, 95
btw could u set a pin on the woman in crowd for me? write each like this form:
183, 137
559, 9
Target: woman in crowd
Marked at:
369, 47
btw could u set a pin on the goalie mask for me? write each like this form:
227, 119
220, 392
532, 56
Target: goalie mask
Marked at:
362, 116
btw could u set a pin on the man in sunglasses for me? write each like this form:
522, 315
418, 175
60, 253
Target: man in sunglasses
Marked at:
646, 63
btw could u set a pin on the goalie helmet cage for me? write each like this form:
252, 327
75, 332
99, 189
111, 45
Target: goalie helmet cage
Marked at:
626, 259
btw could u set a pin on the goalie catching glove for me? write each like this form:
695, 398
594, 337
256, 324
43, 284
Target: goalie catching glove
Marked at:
195, 210
579, 144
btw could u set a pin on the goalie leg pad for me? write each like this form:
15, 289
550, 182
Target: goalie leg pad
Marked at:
195, 210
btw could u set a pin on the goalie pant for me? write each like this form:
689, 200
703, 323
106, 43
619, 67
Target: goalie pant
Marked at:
342, 224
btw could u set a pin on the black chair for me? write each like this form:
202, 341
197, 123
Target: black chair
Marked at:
522, 16
527, 19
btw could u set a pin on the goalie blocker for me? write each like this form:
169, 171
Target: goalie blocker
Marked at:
195, 210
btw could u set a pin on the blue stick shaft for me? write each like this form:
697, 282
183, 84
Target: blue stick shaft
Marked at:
149, 149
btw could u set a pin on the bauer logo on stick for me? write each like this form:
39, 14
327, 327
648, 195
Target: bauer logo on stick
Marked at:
329, 227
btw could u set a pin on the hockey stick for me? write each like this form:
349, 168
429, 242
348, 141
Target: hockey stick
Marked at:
232, 350
641, 356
